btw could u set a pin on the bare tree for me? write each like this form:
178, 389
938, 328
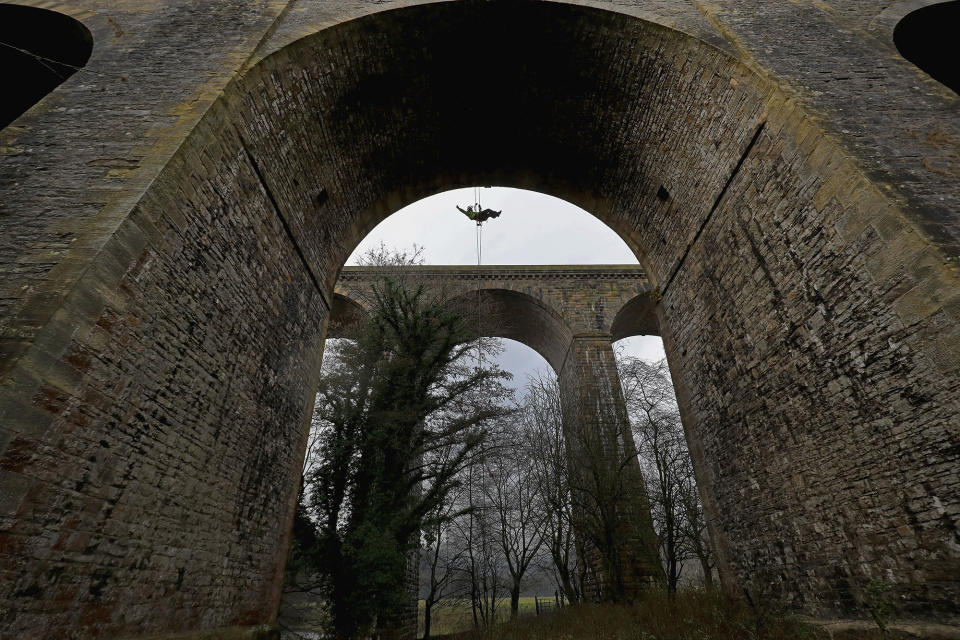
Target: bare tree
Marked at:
443, 556
667, 467
513, 495
475, 531
546, 448
695, 527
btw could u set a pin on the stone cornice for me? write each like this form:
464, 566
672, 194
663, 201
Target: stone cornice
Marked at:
504, 272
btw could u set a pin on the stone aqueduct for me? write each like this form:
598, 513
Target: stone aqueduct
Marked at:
174, 219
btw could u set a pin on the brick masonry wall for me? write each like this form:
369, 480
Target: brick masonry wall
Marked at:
164, 255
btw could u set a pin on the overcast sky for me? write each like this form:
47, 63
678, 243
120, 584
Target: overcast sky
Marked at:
534, 229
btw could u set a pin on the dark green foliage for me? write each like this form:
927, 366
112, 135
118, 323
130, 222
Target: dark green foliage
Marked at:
399, 411
879, 603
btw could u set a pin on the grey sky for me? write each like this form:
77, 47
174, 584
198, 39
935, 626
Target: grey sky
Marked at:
534, 229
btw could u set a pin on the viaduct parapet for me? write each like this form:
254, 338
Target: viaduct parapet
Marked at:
543, 307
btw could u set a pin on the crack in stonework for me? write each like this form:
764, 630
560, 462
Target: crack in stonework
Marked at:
283, 221
716, 205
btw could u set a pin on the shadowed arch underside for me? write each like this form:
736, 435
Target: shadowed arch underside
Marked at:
157, 415
636, 318
346, 316
502, 313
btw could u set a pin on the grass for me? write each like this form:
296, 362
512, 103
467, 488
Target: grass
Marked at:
692, 615
457, 617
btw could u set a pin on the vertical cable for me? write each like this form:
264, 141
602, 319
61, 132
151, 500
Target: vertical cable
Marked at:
476, 192
479, 337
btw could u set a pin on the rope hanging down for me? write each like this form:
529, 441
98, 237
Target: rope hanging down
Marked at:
43, 60
479, 215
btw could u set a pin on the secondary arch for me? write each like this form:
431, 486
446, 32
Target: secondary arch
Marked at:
502, 313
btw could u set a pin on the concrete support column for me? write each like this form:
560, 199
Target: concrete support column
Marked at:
608, 490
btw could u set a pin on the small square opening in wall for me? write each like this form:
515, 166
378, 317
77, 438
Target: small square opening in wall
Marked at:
322, 197
662, 194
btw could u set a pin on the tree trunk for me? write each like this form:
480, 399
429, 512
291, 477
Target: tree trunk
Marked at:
568, 591
515, 598
672, 576
427, 608
707, 571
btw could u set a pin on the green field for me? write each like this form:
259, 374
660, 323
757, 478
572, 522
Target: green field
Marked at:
458, 617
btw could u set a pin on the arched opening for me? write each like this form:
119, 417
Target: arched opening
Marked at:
664, 139
201, 321
39, 49
927, 37
636, 318
535, 228
522, 362
521, 317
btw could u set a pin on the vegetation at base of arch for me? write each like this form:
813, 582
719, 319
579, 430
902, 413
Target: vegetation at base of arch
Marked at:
400, 409
700, 614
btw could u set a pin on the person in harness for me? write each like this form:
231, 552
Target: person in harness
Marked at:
478, 215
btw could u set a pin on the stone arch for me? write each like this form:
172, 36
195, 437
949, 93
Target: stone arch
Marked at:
175, 365
638, 317
42, 48
927, 37
504, 314
345, 312
526, 319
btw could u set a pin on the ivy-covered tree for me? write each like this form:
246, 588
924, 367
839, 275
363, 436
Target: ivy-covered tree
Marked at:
400, 410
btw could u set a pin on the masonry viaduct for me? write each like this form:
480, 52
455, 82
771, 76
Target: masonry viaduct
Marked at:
570, 315
174, 217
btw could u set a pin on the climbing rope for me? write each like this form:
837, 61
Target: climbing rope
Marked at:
479, 242
476, 202
479, 215
44, 60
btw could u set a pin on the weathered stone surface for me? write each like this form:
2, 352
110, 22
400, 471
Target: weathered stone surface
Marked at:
166, 269
604, 463
543, 307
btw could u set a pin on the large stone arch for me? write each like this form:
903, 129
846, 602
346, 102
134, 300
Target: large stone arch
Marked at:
161, 337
